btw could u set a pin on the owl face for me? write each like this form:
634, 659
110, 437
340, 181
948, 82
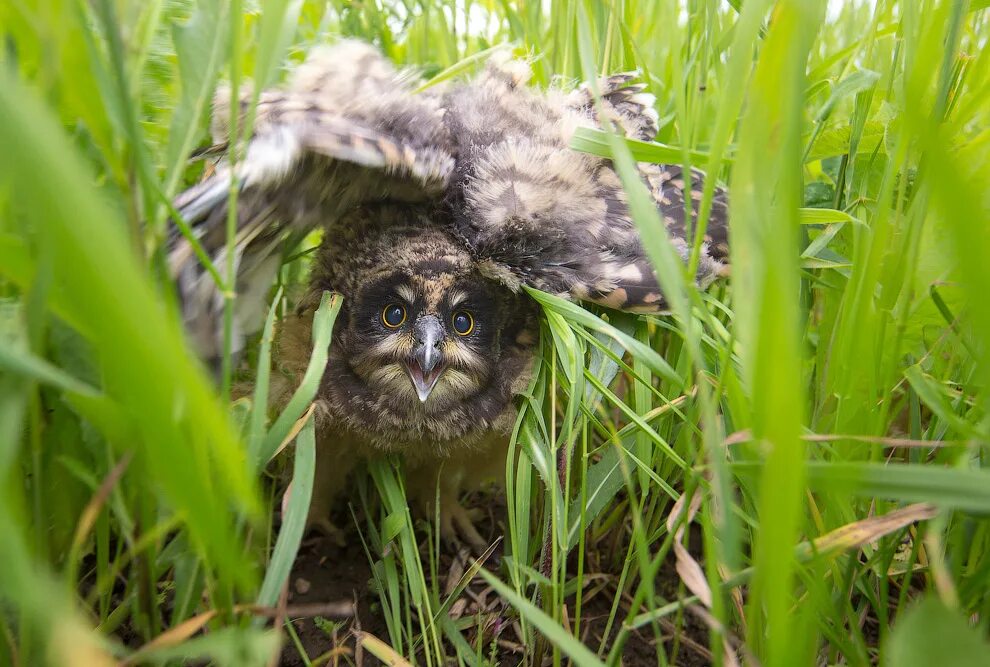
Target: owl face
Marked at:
427, 335
427, 351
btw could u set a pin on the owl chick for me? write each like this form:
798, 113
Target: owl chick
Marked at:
426, 358
437, 206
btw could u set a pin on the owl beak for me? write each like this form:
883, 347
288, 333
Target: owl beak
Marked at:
427, 365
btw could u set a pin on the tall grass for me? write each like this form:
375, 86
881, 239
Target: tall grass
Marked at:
818, 424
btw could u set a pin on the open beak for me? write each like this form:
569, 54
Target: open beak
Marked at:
427, 364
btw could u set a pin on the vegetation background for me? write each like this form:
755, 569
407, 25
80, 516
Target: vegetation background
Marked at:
806, 445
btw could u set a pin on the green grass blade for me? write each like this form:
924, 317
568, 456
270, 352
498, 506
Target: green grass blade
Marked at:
323, 321
181, 429
259, 411
574, 649
579, 315
950, 488
294, 520
914, 644
765, 193
200, 49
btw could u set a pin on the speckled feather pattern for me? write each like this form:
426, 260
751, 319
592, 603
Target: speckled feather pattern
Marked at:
364, 393
452, 198
489, 158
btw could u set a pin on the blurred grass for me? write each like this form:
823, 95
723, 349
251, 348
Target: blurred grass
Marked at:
840, 374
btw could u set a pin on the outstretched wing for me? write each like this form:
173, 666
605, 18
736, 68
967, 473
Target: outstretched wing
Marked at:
538, 213
347, 130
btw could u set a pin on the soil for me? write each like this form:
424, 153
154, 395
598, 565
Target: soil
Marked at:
330, 599
328, 575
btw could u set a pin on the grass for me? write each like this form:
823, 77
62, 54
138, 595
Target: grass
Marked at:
802, 450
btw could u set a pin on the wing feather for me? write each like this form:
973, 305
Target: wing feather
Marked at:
538, 213
491, 156
348, 130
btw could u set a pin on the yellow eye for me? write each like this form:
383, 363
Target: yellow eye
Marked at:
393, 316
463, 322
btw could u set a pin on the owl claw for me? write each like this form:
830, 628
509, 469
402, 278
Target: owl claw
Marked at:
457, 524
327, 529
314, 521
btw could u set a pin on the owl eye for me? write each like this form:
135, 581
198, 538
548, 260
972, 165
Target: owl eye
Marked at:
463, 322
393, 316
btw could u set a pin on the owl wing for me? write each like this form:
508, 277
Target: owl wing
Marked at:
624, 102
540, 214
348, 130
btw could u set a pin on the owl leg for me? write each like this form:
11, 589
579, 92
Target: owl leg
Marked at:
333, 464
425, 487
457, 522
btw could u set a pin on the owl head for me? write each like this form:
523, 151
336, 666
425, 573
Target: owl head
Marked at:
425, 346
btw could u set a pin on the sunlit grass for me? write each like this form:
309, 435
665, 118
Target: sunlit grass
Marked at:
818, 423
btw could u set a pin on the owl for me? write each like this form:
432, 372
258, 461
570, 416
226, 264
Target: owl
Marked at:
438, 205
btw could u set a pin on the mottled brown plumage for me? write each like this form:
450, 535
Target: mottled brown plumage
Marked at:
367, 403
442, 204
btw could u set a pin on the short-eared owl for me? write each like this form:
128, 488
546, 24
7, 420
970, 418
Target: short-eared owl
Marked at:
438, 205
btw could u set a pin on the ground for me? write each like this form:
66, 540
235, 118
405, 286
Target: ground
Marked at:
327, 572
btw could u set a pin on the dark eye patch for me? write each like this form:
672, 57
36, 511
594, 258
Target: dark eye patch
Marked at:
380, 302
388, 288
473, 318
476, 295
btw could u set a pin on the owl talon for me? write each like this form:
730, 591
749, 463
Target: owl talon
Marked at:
457, 525
327, 529
474, 514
